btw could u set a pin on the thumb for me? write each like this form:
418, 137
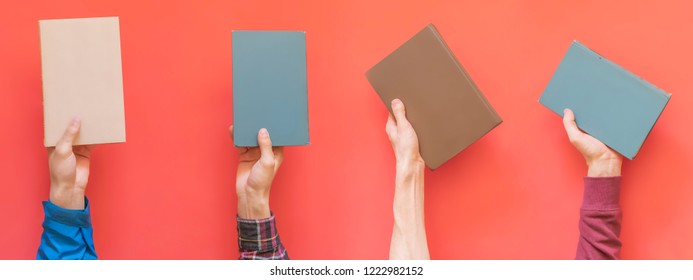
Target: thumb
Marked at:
399, 111
570, 126
64, 145
265, 143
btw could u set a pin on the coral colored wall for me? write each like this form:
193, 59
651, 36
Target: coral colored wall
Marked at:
168, 193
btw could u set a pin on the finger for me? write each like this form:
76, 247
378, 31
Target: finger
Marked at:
570, 126
64, 145
278, 157
231, 132
399, 111
83, 151
82, 175
390, 126
249, 154
265, 143
241, 150
278, 152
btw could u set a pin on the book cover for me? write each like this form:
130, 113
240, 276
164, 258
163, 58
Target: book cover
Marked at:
443, 104
82, 77
610, 103
270, 87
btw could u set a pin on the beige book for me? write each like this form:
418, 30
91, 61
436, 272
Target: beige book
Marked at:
82, 77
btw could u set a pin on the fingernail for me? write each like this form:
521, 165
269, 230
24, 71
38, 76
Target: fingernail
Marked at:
75, 120
263, 132
565, 111
396, 102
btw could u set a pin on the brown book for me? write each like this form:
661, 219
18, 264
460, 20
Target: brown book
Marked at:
443, 104
82, 77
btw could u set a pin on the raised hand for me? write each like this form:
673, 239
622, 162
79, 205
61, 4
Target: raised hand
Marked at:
256, 169
69, 169
601, 160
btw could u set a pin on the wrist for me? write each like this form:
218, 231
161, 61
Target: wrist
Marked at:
604, 167
67, 198
253, 205
410, 166
409, 181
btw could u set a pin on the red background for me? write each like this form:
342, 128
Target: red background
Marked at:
168, 193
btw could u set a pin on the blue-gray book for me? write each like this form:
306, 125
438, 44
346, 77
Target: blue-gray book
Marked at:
610, 103
270, 88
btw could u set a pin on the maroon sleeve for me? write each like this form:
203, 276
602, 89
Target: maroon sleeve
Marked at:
600, 220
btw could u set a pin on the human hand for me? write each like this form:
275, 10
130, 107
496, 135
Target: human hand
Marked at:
69, 169
403, 138
601, 160
409, 232
256, 169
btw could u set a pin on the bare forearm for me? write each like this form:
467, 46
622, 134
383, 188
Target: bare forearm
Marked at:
409, 233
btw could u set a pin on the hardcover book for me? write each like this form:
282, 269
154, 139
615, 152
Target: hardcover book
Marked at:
82, 77
610, 103
443, 104
270, 88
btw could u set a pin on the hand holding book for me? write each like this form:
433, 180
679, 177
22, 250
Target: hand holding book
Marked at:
69, 169
409, 231
402, 136
601, 160
256, 169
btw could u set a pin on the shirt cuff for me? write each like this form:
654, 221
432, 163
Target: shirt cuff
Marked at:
75, 218
601, 193
258, 235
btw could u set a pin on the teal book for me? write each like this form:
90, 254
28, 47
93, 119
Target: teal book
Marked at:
270, 87
610, 103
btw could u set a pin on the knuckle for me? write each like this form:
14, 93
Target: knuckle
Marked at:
62, 150
406, 126
267, 162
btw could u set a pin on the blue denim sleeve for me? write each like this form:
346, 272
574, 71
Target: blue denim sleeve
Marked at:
67, 234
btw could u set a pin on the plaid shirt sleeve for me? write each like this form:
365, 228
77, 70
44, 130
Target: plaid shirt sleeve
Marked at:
258, 239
